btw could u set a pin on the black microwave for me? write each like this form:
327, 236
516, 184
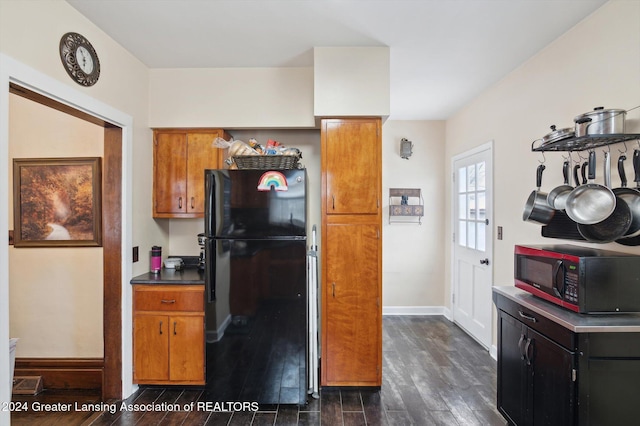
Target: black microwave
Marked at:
582, 279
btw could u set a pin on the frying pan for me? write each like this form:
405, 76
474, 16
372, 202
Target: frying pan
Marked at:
613, 226
557, 198
632, 237
629, 196
536, 209
590, 203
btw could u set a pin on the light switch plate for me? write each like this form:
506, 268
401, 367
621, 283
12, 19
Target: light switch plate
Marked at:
135, 254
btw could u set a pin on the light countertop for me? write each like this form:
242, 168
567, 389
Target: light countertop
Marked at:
578, 323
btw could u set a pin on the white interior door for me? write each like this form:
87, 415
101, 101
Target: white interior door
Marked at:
473, 242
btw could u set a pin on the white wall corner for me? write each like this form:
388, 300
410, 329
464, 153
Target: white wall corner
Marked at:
351, 81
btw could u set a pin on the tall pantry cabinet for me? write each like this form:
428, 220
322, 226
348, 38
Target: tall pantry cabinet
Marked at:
351, 290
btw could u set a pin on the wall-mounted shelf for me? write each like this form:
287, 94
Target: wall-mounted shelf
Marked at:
401, 205
584, 142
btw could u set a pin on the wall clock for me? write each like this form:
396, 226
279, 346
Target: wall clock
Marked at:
80, 59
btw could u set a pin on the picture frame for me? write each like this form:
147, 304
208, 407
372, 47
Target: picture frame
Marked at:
57, 202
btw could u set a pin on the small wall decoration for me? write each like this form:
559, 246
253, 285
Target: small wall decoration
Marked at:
57, 202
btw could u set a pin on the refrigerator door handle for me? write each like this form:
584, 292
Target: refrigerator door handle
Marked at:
209, 269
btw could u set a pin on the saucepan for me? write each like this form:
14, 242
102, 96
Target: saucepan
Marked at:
536, 208
590, 203
616, 224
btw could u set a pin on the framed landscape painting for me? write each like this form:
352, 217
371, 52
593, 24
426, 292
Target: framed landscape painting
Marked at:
57, 202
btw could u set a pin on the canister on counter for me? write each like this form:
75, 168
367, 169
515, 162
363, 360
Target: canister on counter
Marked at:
156, 259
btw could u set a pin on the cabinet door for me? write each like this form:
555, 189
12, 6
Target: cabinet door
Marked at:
170, 173
201, 155
150, 347
552, 386
186, 351
353, 317
512, 377
351, 157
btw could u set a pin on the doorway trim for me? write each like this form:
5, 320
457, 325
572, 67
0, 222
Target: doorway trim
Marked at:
12, 71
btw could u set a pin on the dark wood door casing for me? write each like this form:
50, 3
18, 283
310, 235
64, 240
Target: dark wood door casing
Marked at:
111, 242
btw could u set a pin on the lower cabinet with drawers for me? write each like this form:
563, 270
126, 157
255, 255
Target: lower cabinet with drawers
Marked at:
168, 334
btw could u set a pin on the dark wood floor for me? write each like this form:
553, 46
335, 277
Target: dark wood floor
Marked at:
433, 374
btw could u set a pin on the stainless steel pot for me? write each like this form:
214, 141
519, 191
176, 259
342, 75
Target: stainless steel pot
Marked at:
600, 121
536, 209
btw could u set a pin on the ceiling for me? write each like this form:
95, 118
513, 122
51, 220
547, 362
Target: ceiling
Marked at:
443, 52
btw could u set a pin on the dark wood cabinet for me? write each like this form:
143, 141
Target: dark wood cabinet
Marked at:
557, 367
536, 384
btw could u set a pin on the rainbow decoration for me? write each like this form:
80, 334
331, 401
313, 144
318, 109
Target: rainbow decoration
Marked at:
272, 179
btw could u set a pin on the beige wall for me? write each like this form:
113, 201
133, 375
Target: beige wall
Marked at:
412, 255
597, 63
231, 98
30, 32
55, 293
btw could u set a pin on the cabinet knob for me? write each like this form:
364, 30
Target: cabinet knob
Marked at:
160, 327
179, 202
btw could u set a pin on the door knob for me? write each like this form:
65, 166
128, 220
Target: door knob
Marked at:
484, 261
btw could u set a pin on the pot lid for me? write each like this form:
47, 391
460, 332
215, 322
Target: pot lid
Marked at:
558, 134
600, 110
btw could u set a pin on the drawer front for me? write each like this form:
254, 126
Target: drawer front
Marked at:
168, 298
537, 322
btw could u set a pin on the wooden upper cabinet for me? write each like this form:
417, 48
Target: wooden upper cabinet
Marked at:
351, 165
180, 158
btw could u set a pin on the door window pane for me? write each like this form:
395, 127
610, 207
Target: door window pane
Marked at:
471, 235
462, 206
481, 183
481, 209
472, 206
462, 231
462, 179
471, 177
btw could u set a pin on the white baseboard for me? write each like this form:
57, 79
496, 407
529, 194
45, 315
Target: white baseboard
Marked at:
216, 335
413, 310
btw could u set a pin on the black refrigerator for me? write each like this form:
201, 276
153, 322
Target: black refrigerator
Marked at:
255, 278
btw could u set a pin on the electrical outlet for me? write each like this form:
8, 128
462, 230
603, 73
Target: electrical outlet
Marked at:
135, 254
